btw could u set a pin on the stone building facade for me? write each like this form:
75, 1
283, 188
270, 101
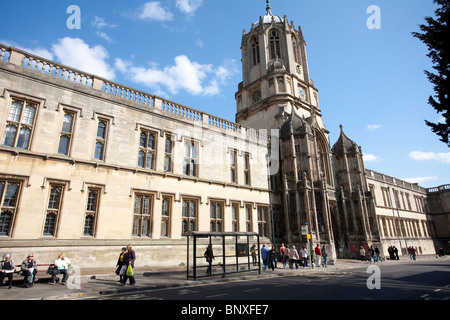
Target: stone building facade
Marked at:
438, 208
323, 186
88, 165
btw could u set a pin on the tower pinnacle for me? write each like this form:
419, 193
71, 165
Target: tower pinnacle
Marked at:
268, 8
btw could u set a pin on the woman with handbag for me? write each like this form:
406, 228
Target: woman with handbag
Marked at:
29, 270
120, 264
128, 259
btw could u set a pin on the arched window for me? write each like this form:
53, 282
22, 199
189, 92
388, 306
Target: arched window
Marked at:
255, 51
274, 44
295, 48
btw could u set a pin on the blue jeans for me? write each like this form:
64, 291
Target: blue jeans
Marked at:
324, 261
265, 264
65, 274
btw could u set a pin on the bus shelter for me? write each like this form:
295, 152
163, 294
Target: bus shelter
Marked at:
231, 250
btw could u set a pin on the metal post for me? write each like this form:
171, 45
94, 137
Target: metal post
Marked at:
195, 256
259, 257
223, 254
248, 252
187, 262
236, 252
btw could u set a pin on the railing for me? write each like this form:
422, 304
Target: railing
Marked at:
124, 92
445, 187
384, 178
79, 78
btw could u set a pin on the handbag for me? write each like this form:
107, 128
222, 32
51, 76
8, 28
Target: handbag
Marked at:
52, 270
130, 271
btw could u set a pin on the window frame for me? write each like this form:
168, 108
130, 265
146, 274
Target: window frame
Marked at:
274, 44
246, 167
263, 220
190, 162
67, 134
4, 183
92, 213
256, 55
216, 215
52, 211
167, 218
168, 155
188, 219
19, 123
143, 217
101, 140
147, 150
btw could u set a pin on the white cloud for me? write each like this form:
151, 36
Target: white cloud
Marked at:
188, 6
74, 52
373, 127
422, 156
103, 35
100, 23
371, 158
155, 12
420, 179
183, 75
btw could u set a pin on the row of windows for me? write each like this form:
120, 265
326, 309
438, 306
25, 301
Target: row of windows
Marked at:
274, 48
22, 118
402, 199
395, 227
142, 214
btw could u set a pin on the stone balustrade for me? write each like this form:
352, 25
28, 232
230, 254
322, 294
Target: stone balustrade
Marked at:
401, 183
76, 77
439, 189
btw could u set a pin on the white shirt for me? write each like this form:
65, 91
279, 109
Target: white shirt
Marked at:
62, 263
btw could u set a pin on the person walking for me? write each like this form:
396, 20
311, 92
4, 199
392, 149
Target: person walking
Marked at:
362, 254
209, 256
120, 271
7, 268
318, 255
413, 253
129, 258
294, 258
378, 254
324, 256
282, 248
271, 258
372, 254
28, 271
286, 256
264, 256
304, 256
62, 267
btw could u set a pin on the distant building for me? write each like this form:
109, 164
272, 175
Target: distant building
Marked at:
88, 165
438, 209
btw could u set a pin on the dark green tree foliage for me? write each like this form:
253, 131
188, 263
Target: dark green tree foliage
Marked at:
436, 35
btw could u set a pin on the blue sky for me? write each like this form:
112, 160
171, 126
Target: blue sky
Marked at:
370, 80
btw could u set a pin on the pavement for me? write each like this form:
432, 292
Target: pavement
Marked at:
97, 282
